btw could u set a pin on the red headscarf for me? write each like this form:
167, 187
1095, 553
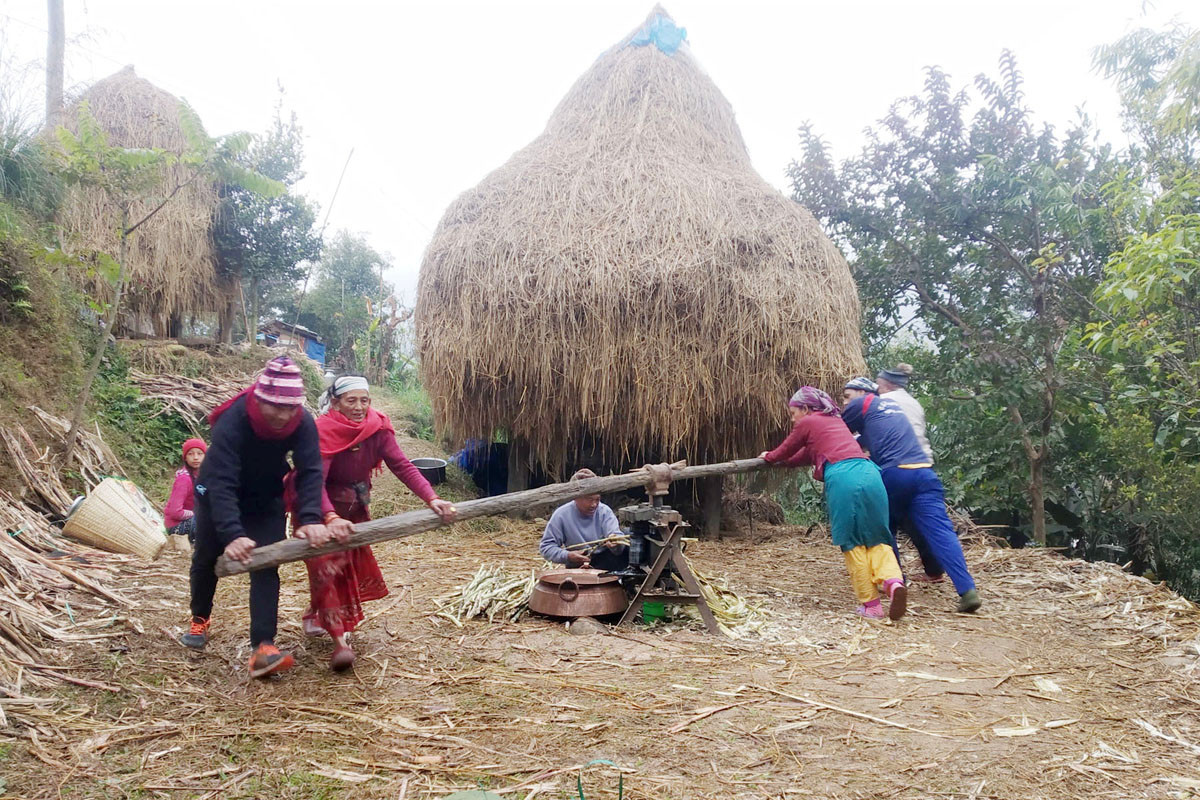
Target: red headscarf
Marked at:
339, 434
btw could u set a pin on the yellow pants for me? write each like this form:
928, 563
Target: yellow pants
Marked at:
869, 567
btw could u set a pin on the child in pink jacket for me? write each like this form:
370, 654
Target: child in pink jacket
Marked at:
178, 515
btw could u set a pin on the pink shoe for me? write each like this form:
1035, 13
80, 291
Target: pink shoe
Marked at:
874, 611
897, 597
311, 628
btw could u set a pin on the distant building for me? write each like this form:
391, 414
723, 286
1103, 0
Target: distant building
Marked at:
278, 333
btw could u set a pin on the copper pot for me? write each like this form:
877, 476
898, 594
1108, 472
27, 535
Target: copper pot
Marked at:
577, 593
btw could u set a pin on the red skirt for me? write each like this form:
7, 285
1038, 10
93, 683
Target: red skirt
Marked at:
339, 583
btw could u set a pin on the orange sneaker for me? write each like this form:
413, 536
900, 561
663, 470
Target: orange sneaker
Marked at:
197, 635
267, 660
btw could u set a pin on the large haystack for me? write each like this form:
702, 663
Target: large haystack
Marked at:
170, 265
627, 284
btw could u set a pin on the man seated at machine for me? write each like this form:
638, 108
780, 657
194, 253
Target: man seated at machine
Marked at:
585, 533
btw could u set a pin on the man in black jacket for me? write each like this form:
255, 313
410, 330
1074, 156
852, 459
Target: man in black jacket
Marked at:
239, 501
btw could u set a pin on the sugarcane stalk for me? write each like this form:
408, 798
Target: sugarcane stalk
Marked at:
411, 523
618, 538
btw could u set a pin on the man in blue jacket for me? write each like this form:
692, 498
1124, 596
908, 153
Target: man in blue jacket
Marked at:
915, 493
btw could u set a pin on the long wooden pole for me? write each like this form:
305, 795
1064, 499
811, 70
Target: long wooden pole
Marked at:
411, 523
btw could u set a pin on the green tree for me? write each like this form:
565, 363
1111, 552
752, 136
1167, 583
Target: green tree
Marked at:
1149, 301
131, 176
985, 234
346, 297
1144, 448
262, 241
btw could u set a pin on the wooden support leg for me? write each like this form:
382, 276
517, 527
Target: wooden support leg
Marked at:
693, 587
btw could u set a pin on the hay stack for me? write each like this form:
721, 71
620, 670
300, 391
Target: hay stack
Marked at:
170, 266
627, 285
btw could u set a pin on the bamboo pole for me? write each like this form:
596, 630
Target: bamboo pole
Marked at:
411, 523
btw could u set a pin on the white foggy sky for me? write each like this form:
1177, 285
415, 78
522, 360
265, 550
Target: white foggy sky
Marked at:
433, 96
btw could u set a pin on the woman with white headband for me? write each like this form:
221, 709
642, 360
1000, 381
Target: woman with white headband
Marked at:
356, 442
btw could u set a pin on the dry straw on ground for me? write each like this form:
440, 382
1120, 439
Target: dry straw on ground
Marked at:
170, 264
54, 595
629, 280
1075, 680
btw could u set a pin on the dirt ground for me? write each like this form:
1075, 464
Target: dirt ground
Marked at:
1074, 680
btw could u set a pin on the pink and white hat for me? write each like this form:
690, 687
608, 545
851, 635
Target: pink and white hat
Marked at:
280, 383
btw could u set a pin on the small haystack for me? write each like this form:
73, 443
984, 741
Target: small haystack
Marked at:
627, 285
171, 266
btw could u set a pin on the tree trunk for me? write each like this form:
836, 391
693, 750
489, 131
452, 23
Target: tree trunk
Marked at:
1037, 499
1036, 457
101, 346
411, 523
251, 334
225, 323
254, 305
712, 492
55, 49
387, 334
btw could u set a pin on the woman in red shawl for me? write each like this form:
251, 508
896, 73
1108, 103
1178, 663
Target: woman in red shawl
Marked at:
356, 441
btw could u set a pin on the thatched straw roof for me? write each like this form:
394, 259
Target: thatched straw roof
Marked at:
171, 266
628, 280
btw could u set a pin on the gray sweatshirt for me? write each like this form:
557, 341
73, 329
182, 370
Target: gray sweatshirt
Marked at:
567, 526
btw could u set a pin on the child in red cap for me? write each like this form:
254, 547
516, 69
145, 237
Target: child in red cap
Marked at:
179, 516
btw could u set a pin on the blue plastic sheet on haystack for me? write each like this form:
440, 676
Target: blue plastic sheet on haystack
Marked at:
663, 32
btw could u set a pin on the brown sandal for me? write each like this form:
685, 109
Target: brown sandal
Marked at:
899, 600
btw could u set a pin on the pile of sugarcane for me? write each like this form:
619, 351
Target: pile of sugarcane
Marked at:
50, 483
735, 617
53, 593
191, 399
491, 593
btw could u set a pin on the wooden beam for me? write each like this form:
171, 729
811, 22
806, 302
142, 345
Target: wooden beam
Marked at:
411, 523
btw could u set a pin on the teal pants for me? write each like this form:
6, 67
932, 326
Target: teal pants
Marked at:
857, 504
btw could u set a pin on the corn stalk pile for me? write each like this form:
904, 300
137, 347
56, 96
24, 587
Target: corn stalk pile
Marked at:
52, 594
735, 617
190, 398
491, 593
40, 469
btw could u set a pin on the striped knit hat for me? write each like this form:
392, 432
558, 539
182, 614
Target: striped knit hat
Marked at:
280, 383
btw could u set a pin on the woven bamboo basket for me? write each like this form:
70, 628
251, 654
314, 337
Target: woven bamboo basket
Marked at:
117, 517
